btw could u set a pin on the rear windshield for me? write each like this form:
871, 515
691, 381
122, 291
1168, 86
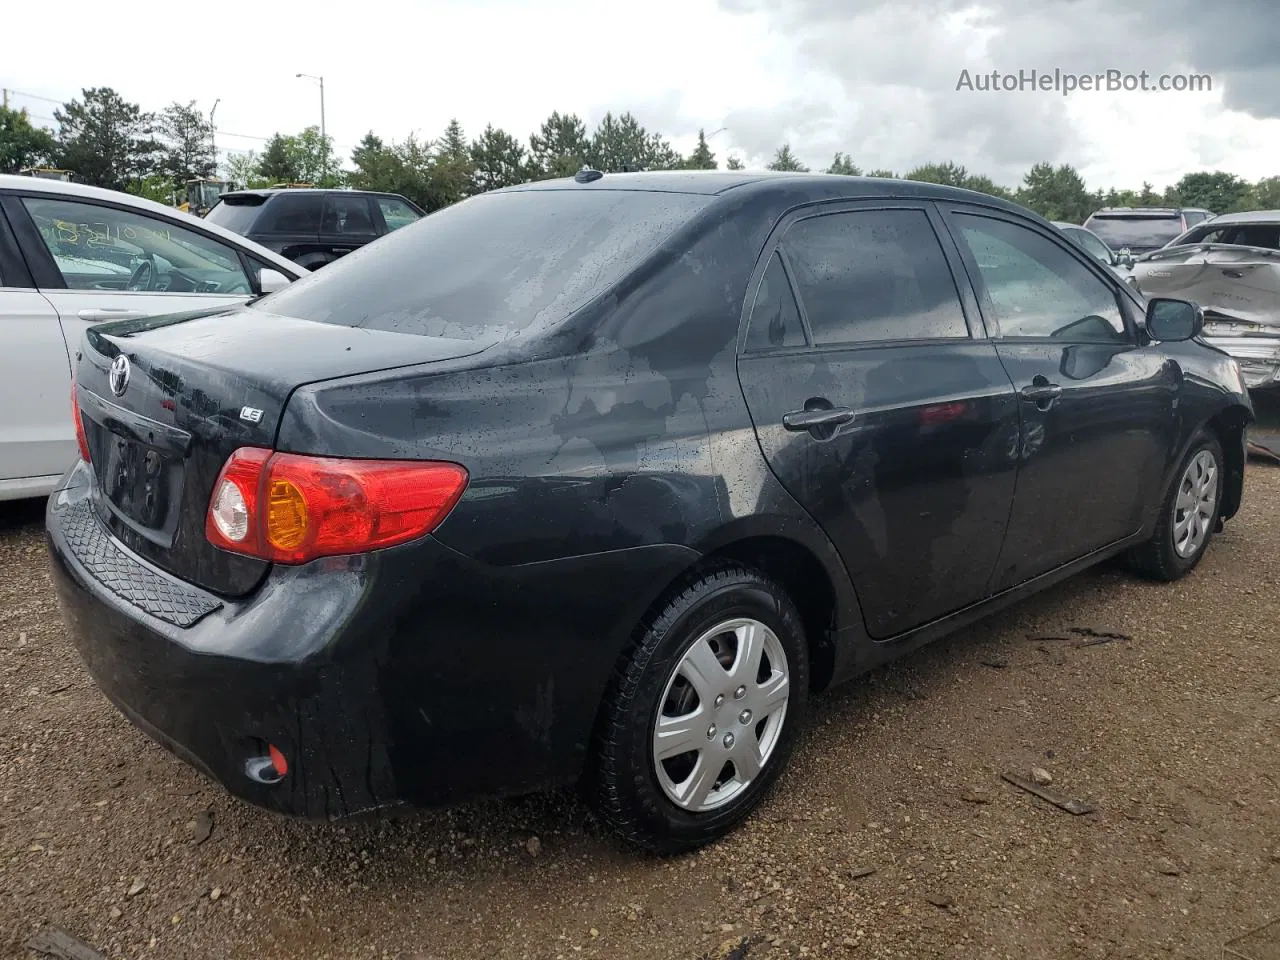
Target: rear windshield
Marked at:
1145, 233
492, 266
235, 216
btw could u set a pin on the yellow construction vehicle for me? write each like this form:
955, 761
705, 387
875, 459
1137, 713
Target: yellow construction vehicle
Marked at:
202, 194
47, 173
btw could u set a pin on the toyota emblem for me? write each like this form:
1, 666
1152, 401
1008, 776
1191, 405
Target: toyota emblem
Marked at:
118, 378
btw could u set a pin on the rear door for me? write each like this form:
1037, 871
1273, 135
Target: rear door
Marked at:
94, 262
881, 406
36, 435
347, 223
1097, 409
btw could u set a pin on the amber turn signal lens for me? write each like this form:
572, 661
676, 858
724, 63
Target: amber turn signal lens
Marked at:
286, 515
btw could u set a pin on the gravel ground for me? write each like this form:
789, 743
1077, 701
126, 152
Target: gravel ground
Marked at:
1171, 733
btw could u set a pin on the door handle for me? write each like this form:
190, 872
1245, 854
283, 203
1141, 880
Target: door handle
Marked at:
99, 314
1041, 394
808, 419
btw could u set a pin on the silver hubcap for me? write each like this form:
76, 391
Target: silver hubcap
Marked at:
1194, 510
721, 714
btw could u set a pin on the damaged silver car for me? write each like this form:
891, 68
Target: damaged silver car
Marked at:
1230, 266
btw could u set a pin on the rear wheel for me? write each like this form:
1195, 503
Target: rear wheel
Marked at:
702, 714
1188, 517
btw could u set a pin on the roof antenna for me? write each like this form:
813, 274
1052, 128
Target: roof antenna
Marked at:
587, 175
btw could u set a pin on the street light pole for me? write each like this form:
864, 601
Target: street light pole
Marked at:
213, 135
324, 141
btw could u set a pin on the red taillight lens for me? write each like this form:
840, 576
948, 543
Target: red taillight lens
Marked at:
289, 508
81, 439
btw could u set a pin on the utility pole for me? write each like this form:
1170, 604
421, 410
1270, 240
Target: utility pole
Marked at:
324, 141
213, 135
6, 98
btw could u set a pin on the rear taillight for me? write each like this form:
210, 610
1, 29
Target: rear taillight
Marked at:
81, 439
289, 508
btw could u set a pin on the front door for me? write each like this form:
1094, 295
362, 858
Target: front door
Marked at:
1097, 409
879, 408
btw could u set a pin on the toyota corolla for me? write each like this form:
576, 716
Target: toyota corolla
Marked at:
594, 481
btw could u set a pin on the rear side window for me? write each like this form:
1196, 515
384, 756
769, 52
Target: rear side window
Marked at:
235, 215
1193, 218
874, 275
775, 319
347, 215
291, 213
396, 213
492, 266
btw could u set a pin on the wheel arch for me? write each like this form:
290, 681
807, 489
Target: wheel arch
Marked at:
1228, 425
801, 559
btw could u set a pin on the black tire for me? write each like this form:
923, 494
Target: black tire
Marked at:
1158, 559
623, 785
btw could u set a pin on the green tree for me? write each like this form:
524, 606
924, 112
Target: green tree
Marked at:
155, 186
279, 163
21, 143
1056, 193
1266, 194
733, 163
883, 174
844, 166
243, 168
452, 171
784, 159
497, 160
186, 139
306, 157
621, 143
702, 158
105, 140
948, 174
560, 148
1148, 196
981, 184
1216, 191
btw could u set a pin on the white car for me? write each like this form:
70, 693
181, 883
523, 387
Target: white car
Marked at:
72, 256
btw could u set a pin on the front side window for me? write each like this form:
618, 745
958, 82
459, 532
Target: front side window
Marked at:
105, 248
874, 275
1036, 288
397, 213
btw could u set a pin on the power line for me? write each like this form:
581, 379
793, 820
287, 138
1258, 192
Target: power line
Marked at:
221, 133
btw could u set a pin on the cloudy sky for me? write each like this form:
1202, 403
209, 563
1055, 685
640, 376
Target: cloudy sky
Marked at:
873, 78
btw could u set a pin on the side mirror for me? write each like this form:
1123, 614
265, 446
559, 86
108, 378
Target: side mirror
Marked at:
1124, 259
269, 281
1173, 320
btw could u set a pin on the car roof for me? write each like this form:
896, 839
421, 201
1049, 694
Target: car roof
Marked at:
309, 191
1248, 216
73, 191
817, 186
1147, 211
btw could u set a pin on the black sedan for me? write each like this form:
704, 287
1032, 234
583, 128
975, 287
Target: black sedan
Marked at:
594, 481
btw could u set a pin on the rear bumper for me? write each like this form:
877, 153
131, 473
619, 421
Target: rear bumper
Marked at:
1259, 358
409, 676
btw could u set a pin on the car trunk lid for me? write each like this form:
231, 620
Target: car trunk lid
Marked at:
191, 389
